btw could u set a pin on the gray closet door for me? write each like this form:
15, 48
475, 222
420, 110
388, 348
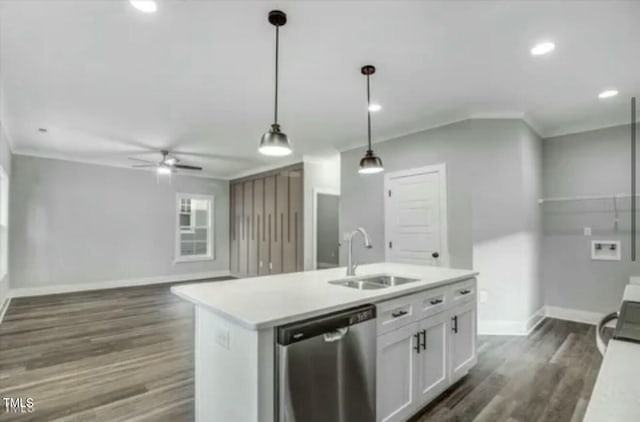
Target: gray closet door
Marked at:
252, 250
275, 252
262, 242
296, 201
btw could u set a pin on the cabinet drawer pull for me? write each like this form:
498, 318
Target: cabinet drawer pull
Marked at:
399, 314
465, 292
435, 301
417, 346
424, 339
454, 328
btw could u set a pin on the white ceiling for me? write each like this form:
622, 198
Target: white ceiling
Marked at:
109, 82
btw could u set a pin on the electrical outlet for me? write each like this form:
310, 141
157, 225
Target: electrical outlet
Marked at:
483, 296
587, 231
222, 337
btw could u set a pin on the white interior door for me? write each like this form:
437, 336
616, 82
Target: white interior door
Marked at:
416, 216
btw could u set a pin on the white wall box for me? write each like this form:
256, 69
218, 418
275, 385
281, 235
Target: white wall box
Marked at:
606, 250
426, 342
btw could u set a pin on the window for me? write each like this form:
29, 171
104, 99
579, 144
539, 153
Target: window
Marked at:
194, 231
4, 223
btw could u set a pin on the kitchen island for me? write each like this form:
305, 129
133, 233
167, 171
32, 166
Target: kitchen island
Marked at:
616, 395
236, 322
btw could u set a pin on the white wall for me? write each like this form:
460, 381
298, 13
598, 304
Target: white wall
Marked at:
589, 163
5, 162
493, 181
75, 224
319, 173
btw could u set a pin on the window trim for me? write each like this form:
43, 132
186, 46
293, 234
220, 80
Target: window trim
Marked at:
210, 238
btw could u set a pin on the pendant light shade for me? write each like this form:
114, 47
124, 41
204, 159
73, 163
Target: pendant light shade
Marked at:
275, 142
370, 163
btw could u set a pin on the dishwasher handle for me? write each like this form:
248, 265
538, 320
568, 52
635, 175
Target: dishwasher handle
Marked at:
336, 335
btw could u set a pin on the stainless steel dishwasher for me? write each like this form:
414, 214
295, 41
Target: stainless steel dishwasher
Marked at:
327, 368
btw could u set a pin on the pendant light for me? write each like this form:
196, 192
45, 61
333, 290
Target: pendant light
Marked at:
274, 142
370, 163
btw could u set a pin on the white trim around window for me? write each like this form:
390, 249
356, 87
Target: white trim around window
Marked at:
210, 254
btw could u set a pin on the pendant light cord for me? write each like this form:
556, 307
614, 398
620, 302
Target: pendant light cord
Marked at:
275, 112
369, 111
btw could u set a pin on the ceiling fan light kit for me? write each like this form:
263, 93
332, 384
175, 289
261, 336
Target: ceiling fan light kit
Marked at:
370, 163
275, 142
167, 165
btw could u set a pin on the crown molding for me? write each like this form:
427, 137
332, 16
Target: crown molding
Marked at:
268, 167
64, 157
518, 115
584, 128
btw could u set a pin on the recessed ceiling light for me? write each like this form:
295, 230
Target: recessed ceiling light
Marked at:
608, 93
373, 107
543, 48
145, 6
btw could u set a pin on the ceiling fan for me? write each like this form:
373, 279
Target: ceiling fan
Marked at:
167, 165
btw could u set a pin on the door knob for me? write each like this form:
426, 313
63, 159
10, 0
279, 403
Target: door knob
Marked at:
435, 255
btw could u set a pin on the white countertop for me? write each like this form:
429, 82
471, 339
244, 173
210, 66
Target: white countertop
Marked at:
616, 395
262, 302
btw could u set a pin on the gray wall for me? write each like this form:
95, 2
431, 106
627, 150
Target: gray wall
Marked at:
588, 163
492, 216
82, 223
5, 162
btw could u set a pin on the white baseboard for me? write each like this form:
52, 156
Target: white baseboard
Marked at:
511, 328
536, 319
4, 307
113, 284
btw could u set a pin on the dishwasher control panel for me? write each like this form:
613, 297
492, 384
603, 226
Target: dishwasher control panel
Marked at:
363, 316
302, 330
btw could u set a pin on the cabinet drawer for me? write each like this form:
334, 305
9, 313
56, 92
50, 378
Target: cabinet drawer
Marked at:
463, 292
395, 313
432, 301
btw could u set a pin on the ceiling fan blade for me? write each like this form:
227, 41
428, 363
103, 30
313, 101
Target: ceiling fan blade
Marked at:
186, 167
139, 159
143, 165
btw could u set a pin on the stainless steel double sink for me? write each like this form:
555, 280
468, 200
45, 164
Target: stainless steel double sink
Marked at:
372, 282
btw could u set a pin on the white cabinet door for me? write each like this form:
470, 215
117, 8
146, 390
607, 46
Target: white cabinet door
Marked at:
463, 340
396, 369
433, 370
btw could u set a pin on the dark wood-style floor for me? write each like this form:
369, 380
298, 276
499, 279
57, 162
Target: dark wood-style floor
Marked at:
127, 355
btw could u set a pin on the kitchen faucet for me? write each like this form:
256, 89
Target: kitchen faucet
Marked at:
351, 267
